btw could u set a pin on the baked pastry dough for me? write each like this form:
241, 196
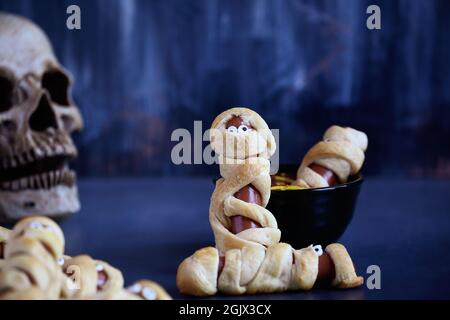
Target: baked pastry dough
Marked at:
254, 261
244, 160
35, 267
4, 235
30, 268
97, 280
341, 151
256, 270
90, 277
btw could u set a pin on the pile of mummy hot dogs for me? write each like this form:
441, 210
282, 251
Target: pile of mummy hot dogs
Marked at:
248, 257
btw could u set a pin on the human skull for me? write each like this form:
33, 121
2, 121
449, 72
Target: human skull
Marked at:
37, 117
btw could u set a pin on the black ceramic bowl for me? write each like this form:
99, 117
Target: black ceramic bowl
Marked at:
314, 216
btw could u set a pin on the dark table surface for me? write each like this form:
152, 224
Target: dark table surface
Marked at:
146, 227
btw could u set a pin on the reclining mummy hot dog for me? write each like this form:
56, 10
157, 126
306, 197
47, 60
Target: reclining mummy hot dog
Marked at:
248, 257
259, 270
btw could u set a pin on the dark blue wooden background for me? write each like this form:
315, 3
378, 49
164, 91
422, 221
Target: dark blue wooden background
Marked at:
144, 68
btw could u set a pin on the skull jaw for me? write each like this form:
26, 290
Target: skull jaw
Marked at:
59, 201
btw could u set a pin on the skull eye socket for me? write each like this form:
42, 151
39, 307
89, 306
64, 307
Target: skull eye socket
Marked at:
6, 93
57, 85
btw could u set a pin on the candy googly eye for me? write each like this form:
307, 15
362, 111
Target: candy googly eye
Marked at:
318, 249
35, 225
135, 288
232, 129
148, 294
243, 128
61, 261
99, 267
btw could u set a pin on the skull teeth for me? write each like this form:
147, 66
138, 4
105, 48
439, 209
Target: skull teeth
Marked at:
21, 159
38, 153
59, 149
15, 185
45, 180
37, 180
43, 150
29, 157
23, 183
51, 178
31, 182
43, 166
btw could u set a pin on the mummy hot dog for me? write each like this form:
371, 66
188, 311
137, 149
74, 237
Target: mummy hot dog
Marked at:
248, 257
333, 160
237, 215
34, 267
30, 269
100, 281
275, 269
91, 277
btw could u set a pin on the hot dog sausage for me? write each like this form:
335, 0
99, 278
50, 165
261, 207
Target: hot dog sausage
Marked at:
325, 276
326, 270
102, 278
248, 193
326, 173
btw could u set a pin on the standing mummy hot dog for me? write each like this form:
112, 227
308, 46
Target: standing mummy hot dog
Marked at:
248, 257
331, 161
237, 212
